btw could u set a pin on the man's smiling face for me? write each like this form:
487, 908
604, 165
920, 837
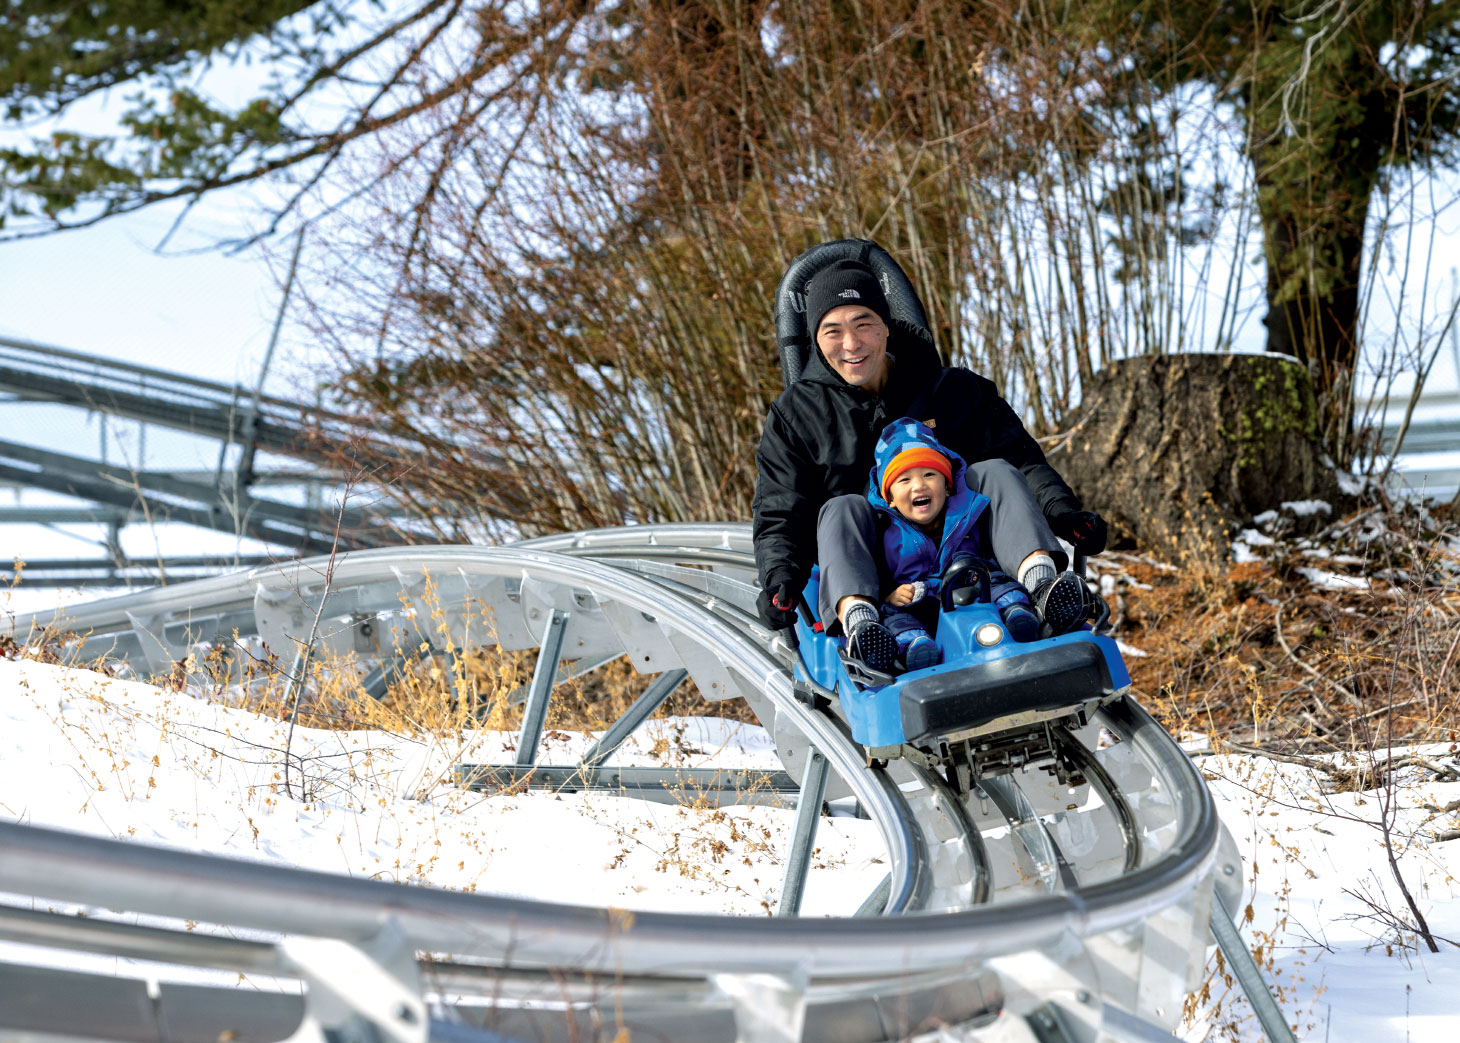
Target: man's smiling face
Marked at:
853, 339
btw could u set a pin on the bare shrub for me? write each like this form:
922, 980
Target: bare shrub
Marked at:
565, 296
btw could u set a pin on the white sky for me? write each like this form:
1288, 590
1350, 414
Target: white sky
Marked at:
104, 291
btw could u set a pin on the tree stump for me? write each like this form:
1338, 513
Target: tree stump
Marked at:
1175, 451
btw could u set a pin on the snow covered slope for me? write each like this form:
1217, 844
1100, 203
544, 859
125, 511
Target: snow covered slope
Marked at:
85, 752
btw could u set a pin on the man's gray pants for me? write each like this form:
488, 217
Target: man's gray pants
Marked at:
848, 545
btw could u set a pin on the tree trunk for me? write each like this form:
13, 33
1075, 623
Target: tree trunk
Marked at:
1314, 269
1177, 450
1316, 155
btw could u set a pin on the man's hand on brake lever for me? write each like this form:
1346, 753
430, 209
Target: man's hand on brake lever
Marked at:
1084, 530
776, 603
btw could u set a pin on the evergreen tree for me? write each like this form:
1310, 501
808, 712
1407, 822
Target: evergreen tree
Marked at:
331, 72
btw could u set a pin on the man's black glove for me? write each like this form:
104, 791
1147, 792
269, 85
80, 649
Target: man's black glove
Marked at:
777, 601
1084, 530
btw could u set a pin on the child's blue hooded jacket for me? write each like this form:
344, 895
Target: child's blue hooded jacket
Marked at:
910, 555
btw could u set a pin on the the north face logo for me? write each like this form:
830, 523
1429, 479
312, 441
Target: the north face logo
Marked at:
850, 293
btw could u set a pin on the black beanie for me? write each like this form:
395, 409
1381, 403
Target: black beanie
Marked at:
843, 282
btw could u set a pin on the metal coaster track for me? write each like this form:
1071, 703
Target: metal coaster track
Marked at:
225, 412
1028, 911
223, 499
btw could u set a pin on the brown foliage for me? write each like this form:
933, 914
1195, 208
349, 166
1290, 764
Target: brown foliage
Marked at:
1259, 654
574, 292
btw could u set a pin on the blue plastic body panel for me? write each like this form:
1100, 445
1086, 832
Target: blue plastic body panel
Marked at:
875, 714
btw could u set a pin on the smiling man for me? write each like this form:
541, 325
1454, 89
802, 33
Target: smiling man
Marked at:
852, 338
816, 452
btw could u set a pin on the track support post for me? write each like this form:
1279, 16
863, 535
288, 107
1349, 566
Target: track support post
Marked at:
641, 710
1239, 958
803, 834
875, 902
541, 689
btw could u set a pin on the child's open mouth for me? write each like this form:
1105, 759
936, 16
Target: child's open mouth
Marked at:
921, 503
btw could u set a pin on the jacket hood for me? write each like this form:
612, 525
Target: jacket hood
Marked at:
907, 433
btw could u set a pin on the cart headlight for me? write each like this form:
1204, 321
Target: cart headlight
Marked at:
989, 634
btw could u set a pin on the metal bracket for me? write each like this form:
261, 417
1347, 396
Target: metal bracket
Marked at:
369, 993
768, 1008
158, 655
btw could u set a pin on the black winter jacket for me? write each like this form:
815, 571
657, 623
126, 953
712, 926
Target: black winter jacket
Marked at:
819, 437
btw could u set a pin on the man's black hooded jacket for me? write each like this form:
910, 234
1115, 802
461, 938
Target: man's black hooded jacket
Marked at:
820, 434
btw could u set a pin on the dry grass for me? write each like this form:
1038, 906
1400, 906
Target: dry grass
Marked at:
428, 694
1259, 652
483, 687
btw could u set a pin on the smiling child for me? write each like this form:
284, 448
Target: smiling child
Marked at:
932, 518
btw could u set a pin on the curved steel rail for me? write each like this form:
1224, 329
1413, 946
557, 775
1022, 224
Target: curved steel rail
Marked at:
936, 845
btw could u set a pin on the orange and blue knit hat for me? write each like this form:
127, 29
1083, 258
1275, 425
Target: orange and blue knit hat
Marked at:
915, 455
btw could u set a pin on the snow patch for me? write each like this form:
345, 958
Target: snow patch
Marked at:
1247, 539
1325, 580
1317, 877
90, 753
1353, 484
1307, 508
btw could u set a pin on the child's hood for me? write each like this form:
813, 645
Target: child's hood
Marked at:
906, 433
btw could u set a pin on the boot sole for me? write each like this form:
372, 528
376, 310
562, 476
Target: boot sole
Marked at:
1064, 603
874, 646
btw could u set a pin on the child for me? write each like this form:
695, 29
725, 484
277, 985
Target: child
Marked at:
933, 518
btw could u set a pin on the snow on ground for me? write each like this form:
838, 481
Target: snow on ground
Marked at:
1324, 900
85, 752
1325, 580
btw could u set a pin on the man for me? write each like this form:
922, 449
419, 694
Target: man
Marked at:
816, 451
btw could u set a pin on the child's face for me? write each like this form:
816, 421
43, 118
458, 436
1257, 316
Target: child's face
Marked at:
918, 494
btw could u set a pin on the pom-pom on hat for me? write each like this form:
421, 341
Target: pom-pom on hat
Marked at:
843, 282
915, 455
